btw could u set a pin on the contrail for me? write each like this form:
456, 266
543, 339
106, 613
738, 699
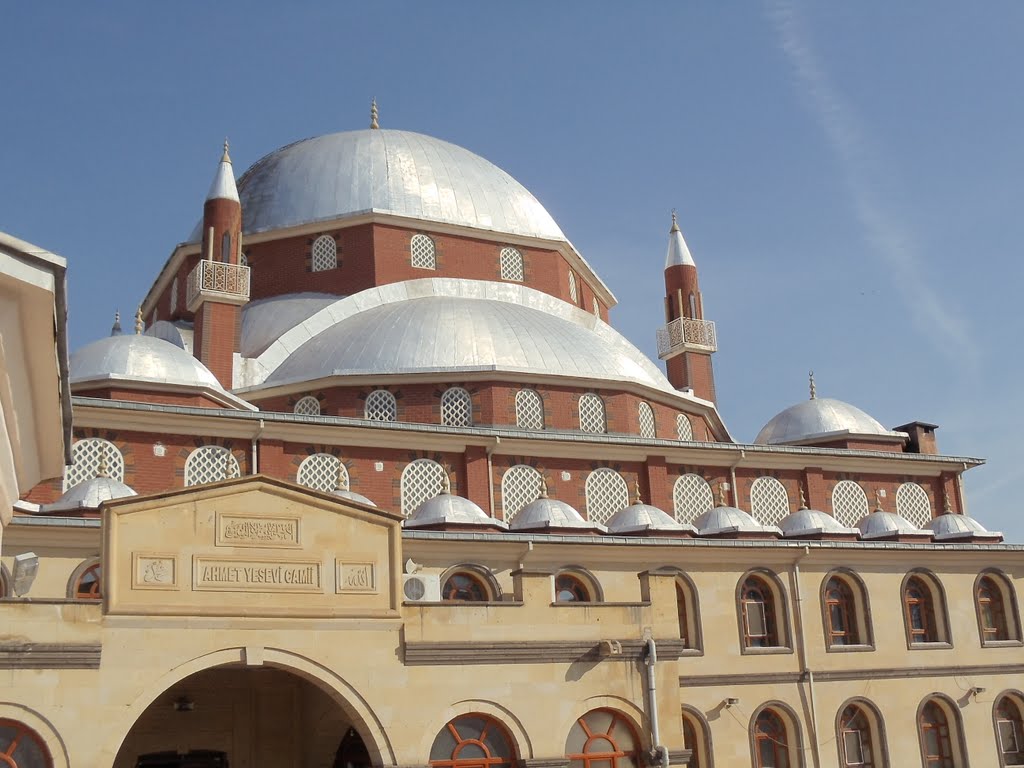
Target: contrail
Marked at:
864, 174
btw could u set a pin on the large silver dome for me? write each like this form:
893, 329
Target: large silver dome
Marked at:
394, 172
817, 418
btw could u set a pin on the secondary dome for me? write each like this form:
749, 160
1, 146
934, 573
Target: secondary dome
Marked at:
386, 171
89, 494
812, 522
448, 509
730, 521
644, 518
817, 418
138, 358
546, 513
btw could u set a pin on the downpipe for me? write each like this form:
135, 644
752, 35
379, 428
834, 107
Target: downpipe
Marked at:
658, 754
808, 672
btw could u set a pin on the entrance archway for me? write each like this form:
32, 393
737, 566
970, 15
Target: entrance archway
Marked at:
243, 717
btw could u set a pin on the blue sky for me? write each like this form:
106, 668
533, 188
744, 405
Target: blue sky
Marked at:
847, 175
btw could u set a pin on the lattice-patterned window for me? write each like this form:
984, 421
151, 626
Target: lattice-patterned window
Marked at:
381, 406
307, 406
849, 503
769, 502
323, 472
86, 457
456, 408
684, 429
592, 418
174, 295
421, 480
606, 493
603, 738
21, 747
511, 264
913, 504
574, 293
529, 409
473, 741
422, 252
325, 253
645, 415
209, 464
691, 497
520, 485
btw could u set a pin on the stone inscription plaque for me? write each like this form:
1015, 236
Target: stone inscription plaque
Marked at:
356, 577
250, 531
153, 571
221, 574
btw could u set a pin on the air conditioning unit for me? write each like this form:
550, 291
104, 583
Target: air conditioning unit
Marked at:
421, 588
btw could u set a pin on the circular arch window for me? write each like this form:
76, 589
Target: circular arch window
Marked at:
570, 588
472, 741
21, 747
465, 587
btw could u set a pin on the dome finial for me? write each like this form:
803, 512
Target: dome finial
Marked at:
341, 483
225, 158
228, 474
947, 507
446, 483
139, 325
637, 498
675, 222
373, 114
115, 329
543, 487
722, 488
803, 499
814, 389
101, 469
879, 495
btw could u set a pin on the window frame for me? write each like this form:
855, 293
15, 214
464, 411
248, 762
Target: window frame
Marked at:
223, 452
478, 574
456, 401
22, 730
647, 421
381, 394
687, 590
1008, 600
876, 727
858, 612
584, 579
513, 480
600, 408
83, 569
536, 400
596, 508
332, 257
307, 465
938, 606
511, 261
765, 500
420, 237
1015, 699
955, 731
776, 613
510, 761
306, 401
611, 759
791, 729
703, 750
702, 491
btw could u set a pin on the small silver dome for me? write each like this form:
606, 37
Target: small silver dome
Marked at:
642, 518
448, 509
819, 418
545, 512
950, 527
723, 521
880, 525
812, 522
344, 493
137, 357
89, 494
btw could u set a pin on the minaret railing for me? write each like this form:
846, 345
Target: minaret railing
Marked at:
686, 333
215, 280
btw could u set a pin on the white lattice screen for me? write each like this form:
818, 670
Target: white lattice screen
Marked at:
573, 292
592, 414
769, 502
422, 252
381, 406
209, 464
849, 503
529, 409
913, 504
421, 480
606, 494
456, 408
325, 253
684, 429
323, 472
174, 295
85, 461
520, 485
308, 406
691, 497
511, 264
645, 414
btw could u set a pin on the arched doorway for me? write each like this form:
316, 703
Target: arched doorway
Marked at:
243, 717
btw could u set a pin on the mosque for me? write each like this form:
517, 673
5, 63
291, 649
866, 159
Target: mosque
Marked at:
371, 481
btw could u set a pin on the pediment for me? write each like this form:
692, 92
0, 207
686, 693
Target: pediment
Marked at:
251, 546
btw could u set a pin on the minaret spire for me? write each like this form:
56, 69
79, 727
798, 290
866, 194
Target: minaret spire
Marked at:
115, 329
223, 186
814, 389
373, 114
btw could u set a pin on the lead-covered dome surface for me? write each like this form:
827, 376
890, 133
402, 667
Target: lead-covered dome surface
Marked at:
89, 494
818, 417
386, 171
139, 358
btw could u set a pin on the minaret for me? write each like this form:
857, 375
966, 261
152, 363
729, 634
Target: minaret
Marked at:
687, 341
219, 286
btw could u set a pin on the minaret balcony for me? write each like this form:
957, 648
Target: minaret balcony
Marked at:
686, 334
217, 281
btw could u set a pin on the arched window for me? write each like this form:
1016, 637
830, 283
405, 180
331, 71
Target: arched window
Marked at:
697, 739
849, 503
422, 252
693, 305
572, 588
592, 417
762, 612
421, 480
603, 738
210, 464
687, 613
769, 502
323, 472
996, 604
511, 264
691, 497
859, 736
87, 581
645, 416
465, 586
923, 610
529, 409
1009, 731
913, 504
225, 248
324, 254
939, 731
381, 406
174, 295
573, 291
845, 609
21, 747
307, 406
520, 485
774, 745
684, 429
473, 741
87, 455
606, 494
456, 408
